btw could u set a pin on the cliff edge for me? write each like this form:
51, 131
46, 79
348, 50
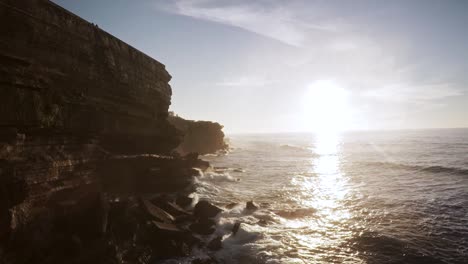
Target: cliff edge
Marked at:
85, 145
60, 72
202, 137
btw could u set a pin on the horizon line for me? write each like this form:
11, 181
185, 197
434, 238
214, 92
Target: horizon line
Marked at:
344, 131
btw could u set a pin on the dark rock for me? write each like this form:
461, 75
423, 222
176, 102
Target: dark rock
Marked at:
174, 209
204, 261
204, 226
251, 206
235, 228
83, 131
216, 243
166, 227
204, 209
202, 164
146, 174
121, 218
86, 85
156, 212
164, 240
183, 201
183, 219
202, 137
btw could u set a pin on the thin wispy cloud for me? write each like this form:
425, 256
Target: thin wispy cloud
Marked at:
414, 93
387, 73
276, 22
245, 81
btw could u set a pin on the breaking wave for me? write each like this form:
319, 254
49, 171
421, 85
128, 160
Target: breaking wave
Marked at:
418, 168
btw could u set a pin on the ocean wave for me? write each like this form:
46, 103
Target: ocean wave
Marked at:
219, 153
420, 168
296, 213
227, 169
380, 248
293, 147
216, 176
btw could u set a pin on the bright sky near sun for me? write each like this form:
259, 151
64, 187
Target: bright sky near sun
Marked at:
278, 66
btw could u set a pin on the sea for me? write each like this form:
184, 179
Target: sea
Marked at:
351, 197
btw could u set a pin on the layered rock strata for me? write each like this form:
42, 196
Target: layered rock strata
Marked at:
59, 71
83, 137
202, 137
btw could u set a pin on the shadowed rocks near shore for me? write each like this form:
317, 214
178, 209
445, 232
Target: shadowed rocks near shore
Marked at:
202, 137
85, 145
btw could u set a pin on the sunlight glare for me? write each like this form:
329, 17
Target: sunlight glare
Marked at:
325, 107
324, 189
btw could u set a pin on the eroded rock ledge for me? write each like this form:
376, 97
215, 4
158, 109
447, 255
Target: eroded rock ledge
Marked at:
202, 137
84, 142
59, 71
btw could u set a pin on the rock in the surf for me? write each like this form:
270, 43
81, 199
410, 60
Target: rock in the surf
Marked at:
235, 228
204, 226
204, 209
251, 206
183, 201
216, 243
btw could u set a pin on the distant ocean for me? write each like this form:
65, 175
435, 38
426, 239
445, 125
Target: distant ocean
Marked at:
358, 197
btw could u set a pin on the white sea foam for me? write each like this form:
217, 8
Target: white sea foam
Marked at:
317, 208
217, 175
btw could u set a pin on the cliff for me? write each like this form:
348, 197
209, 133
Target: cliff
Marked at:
202, 137
83, 136
57, 71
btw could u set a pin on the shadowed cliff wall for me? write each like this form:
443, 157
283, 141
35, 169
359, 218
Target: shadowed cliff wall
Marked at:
57, 71
75, 103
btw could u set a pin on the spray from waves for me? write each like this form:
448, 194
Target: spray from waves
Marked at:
259, 238
241, 246
417, 168
367, 223
218, 174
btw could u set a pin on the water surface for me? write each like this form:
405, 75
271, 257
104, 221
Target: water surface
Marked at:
362, 197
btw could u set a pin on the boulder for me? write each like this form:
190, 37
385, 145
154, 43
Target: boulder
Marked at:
175, 210
235, 228
204, 226
165, 227
216, 243
204, 209
251, 206
183, 201
156, 212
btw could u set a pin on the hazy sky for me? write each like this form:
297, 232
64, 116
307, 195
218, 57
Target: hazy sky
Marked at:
256, 66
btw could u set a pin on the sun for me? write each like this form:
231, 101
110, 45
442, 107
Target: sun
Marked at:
325, 107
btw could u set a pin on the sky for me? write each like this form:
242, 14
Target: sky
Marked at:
289, 66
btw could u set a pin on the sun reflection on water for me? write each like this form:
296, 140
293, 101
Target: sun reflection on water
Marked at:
325, 189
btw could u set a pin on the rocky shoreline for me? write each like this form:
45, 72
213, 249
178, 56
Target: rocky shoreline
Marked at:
88, 172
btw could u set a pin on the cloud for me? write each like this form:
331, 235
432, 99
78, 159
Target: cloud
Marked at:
387, 80
269, 20
413, 93
245, 81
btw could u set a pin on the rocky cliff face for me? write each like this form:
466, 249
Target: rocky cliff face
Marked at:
58, 71
83, 128
202, 137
